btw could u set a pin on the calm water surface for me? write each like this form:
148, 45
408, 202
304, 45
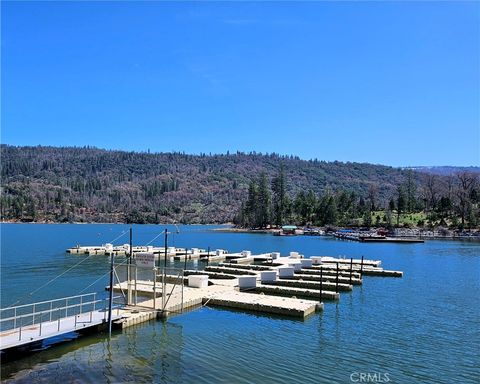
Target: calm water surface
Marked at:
423, 328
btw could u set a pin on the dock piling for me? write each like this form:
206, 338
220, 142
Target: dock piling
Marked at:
321, 282
351, 268
111, 296
336, 280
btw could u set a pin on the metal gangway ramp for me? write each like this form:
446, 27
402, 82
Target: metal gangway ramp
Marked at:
32, 323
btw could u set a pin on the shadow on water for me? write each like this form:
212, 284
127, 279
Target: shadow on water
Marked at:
145, 352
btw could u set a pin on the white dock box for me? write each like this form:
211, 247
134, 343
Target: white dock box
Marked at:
198, 281
294, 255
285, 271
297, 266
316, 260
268, 276
247, 281
275, 255
306, 263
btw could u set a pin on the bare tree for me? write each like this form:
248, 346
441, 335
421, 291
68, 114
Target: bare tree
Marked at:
430, 190
465, 183
372, 196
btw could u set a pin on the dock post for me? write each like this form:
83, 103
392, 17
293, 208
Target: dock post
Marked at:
351, 267
129, 271
111, 297
165, 250
164, 284
361, 268
321, 282
164, 289
154, 289
136, 277
336, 280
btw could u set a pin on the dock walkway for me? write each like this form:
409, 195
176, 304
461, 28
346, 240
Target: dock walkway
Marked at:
23, 324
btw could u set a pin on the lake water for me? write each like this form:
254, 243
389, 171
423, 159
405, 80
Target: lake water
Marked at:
422, 328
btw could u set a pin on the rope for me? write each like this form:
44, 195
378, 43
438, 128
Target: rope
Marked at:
151, 241
118, 237
101, 277
49, 282
60, 275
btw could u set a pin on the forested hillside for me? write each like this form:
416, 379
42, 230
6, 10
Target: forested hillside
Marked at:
95, 185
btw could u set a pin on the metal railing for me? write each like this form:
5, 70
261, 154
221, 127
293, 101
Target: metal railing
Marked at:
173, 276
39, 313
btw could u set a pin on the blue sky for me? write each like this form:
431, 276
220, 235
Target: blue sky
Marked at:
381, 82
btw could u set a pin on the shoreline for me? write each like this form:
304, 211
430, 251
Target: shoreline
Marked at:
103, 223
230, 228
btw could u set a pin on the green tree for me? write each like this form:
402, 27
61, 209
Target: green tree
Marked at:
263, 203
367, 218
401, 203
410, 192
279, 197
251, 205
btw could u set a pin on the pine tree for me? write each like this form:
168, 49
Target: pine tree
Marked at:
263, 203
279, 197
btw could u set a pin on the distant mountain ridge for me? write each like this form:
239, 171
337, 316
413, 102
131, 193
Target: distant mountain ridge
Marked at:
445, 170
91, 184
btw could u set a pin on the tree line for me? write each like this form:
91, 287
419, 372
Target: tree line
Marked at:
451, 201
72, 184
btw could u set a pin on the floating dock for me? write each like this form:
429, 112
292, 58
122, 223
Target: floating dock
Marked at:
291, 286
264, 303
